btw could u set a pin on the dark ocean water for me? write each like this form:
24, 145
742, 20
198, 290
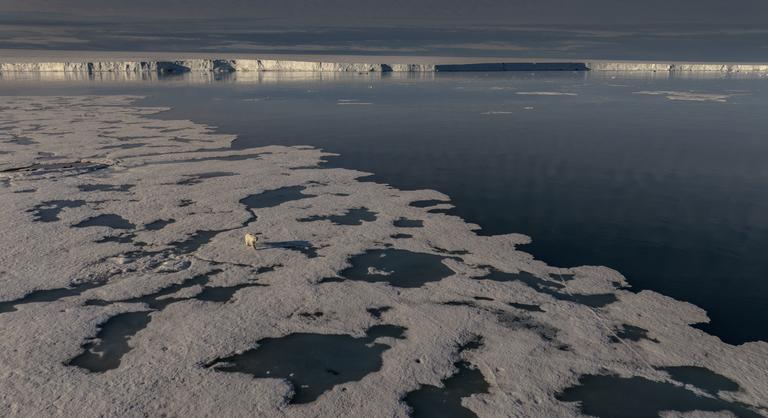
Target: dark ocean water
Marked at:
671, 193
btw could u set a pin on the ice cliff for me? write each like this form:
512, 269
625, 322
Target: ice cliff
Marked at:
208, 65
678, 67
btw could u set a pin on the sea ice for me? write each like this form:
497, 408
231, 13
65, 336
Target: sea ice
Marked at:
123, 275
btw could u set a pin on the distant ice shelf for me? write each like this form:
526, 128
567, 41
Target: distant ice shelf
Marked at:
209, 65
251, 65
677, 67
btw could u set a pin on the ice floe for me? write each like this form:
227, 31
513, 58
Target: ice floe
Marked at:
125, 289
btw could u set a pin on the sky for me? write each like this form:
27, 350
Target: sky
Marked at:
597, 29
427, 11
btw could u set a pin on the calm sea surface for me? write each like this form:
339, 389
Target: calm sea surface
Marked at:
671, 193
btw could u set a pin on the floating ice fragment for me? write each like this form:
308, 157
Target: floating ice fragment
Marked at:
545, 93
688, 96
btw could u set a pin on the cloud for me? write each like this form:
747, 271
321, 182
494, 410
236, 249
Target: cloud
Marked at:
42, 41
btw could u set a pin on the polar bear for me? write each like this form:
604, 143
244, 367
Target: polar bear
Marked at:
250, 240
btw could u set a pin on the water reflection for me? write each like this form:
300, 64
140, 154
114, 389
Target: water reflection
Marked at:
199, 77
276, 77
